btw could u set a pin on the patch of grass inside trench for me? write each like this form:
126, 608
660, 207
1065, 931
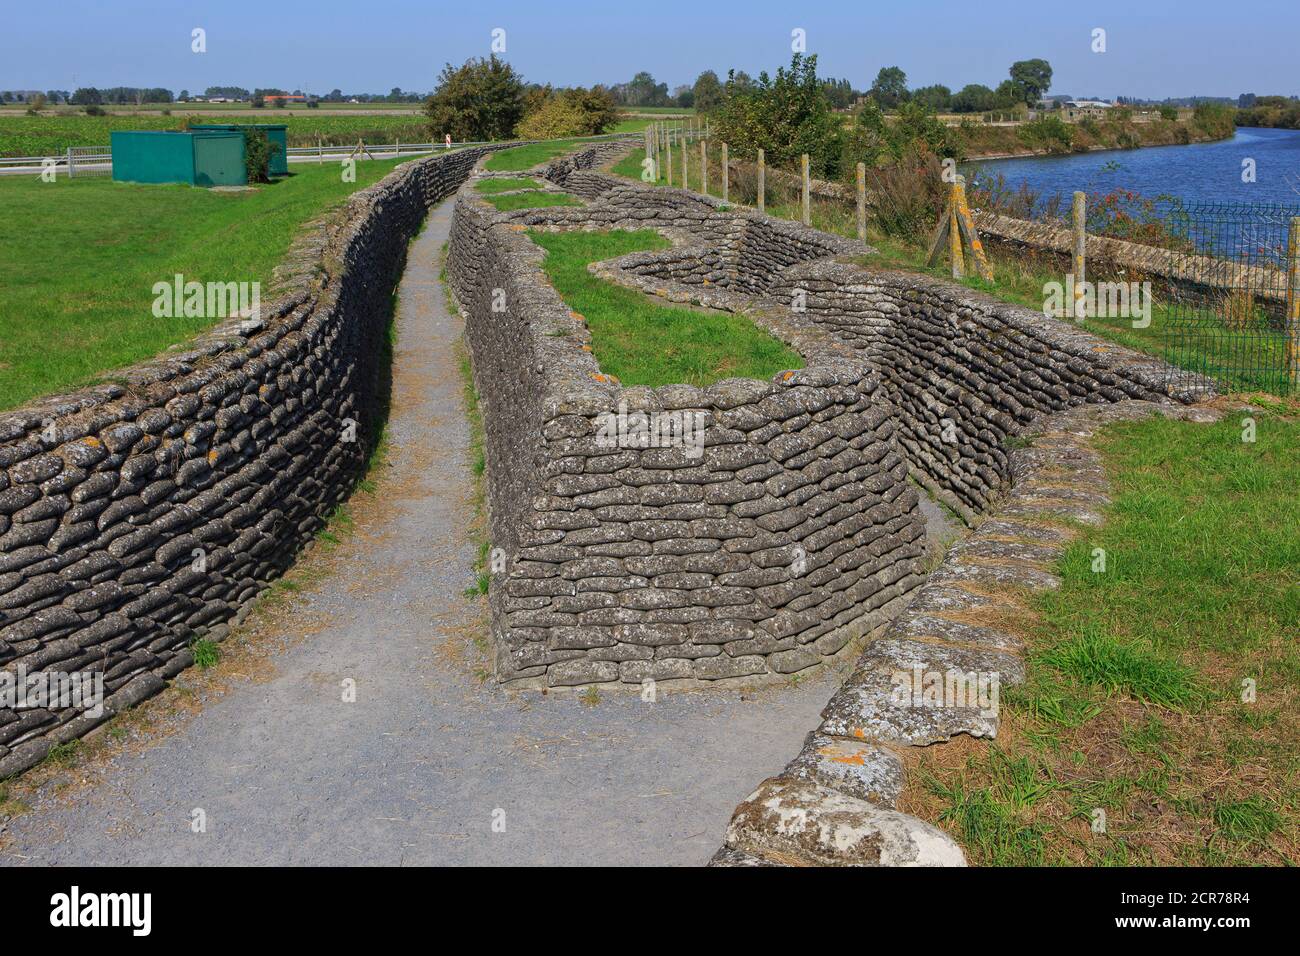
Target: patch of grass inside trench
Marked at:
642, 342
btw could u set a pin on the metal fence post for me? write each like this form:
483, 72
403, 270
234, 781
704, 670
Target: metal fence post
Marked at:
1293, 303
725, 176
862, 202
806, 199
1080, 217
762, 181
70, 162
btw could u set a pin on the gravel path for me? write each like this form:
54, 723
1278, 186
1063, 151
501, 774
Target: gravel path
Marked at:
421, 765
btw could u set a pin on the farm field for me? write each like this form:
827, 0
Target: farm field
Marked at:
78, 261
23, 135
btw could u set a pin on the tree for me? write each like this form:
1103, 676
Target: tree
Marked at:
87, 96
708, 92
481, 100
890, 87
785, 115
1008, 95
684, 97
642, 90
937, 97
36, 102
571, 112
840, 93
1033, 77
258, 101
973, 98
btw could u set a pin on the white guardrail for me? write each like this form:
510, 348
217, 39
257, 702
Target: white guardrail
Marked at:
94, 160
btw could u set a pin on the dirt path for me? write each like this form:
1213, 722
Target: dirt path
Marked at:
417, 769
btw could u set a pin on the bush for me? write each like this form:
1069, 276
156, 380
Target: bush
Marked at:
1168, 113
95, 110
1214, 119
785, 116
258, 151
909, 195
556, 119
1048, 132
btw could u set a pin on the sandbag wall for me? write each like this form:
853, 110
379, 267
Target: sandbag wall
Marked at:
136, 518
789, 529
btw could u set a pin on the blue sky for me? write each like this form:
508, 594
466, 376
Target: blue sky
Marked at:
1155, 48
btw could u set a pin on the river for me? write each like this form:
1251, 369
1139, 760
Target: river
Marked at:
1197, 173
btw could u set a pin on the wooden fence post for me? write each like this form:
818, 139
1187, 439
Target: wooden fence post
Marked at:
762, 181
1293, 302
725, 174
862, 202
966, 222
686, 166
704, 166
954, 243
668, 155
1080, 215
806, 199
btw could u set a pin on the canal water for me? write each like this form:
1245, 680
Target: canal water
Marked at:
1193, 174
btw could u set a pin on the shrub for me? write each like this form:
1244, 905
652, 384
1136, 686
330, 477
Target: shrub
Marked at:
258, 151
95, 109
909, 195
1214, 119
1168, 113
786, 115
556, 119
1047, 132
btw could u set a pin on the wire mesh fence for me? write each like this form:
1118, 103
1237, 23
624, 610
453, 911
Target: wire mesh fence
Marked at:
1233, 311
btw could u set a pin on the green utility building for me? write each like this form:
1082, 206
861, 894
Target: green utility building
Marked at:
209, 157
276, 133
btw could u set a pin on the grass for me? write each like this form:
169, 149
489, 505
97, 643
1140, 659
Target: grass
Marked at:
642, 342
532, 200
79, 259
504, 185
1136, 704
206, 653
526, 157
1244, 360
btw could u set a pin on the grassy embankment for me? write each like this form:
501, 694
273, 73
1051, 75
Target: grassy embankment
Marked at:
1053, 137
1137, 713
642, 342
1020, 281
78, 261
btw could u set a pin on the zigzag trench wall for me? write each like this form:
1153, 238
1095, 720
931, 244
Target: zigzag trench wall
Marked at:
134, 518
797, 530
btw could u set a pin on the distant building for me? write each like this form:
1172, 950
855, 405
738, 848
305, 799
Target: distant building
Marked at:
1076, 110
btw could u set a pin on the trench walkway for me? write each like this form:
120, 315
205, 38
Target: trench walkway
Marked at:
419, 767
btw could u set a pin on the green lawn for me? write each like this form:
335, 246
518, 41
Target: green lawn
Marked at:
642, 342
532, 200
506, 185
526, 157
1133, 703
79, 259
